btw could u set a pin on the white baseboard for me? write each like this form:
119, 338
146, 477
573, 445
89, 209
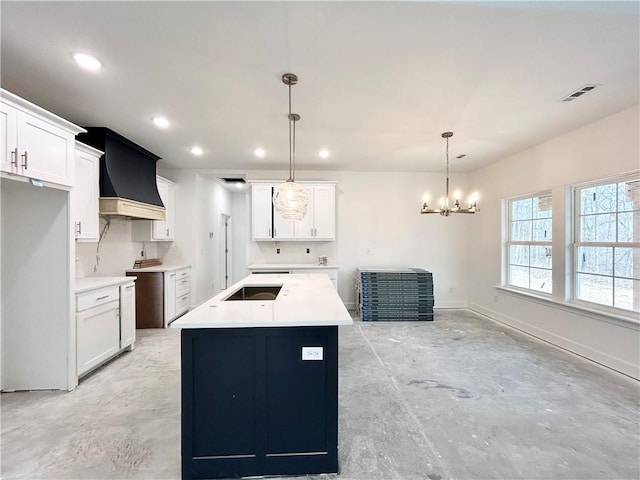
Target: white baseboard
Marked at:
580, 349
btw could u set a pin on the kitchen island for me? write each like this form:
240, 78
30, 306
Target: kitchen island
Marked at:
260, 379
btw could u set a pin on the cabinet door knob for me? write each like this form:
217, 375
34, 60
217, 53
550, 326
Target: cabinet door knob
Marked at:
25, 160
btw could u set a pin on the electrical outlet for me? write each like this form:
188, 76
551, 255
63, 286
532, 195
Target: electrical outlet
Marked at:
312, 353
277, 250
308, 250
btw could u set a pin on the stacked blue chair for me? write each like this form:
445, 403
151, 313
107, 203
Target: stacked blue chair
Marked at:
394, 294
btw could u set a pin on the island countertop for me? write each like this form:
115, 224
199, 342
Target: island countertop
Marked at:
304, 300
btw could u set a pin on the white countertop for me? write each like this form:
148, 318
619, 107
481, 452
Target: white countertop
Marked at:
305, 300
288, 266
158, 268
85, 284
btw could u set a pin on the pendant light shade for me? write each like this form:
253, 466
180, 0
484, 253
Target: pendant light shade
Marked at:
290, 198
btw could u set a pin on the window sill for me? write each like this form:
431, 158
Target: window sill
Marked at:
624, 318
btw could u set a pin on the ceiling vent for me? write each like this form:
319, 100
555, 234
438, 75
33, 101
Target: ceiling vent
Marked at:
233, 180
578, 93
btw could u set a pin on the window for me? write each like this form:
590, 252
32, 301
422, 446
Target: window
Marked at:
607, 244
529, 243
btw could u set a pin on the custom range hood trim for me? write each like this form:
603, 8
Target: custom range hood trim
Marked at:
127, 176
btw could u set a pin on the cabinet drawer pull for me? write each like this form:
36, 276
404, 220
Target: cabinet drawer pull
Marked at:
184, 298
167, 232
25, 160
14, 158
130, 286
172, 274
80, 227
102, 297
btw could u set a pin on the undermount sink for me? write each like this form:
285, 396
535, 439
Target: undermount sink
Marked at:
269, 292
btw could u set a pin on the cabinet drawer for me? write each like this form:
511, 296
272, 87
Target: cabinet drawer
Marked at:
183, 273
182, 286
182, 304
93, 298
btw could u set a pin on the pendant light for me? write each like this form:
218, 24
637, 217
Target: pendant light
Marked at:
290, 198
444, 208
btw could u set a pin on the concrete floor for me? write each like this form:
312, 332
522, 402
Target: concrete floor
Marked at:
461, 397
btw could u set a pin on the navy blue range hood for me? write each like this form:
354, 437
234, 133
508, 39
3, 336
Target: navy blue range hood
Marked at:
127, 176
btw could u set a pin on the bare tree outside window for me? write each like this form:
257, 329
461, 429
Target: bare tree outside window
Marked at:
607, 244
529, 249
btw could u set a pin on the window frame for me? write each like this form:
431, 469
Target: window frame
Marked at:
576, 244
508, 243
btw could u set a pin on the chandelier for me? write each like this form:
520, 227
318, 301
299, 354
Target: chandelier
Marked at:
290, 198
445, 208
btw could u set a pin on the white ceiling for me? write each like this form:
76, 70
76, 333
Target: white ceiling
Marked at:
379, 81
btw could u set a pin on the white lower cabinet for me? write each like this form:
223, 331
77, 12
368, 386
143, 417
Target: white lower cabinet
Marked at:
177, 292
98, 323
169, 297
183, 289
127, 316
279, 268
105, 324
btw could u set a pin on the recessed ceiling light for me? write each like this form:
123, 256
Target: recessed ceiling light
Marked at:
324, 153
197, 151
87, 61
259, 152
161, 122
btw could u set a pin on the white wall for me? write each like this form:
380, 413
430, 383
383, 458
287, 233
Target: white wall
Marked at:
240, 231
378, 224
117, 252
38, 323
599, 150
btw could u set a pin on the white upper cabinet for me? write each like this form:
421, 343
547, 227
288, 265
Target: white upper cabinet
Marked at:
35, 143
85, 193
268, 224
318, 223
159, 230
282, 229
262, 211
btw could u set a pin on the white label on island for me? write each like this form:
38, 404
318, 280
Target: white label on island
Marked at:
312, 353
